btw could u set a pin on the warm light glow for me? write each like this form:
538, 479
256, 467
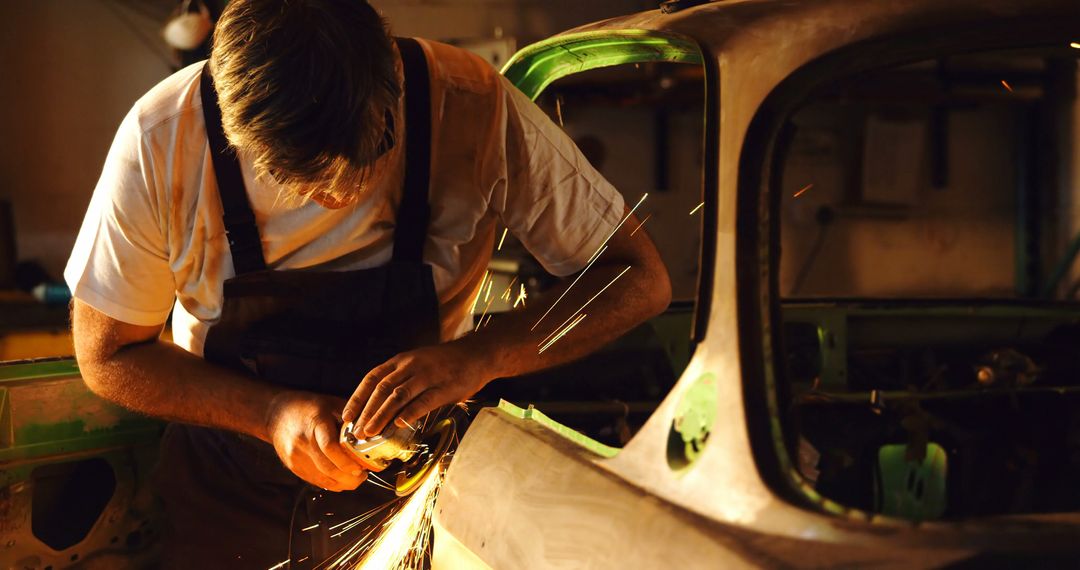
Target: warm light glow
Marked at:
480, 293
581, 310
521, 297
641, 224
803, 190
561, 334
404, 539
599, 251
1075, 45
509, 289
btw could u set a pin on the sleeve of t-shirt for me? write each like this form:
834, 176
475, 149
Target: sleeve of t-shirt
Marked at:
120, 263
554, 201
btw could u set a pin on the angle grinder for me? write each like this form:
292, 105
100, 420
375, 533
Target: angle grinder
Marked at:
416, 449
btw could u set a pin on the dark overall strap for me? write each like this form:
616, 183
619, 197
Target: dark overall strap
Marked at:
414, 214
240, 229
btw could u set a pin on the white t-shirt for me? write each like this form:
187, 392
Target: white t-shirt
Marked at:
153, 240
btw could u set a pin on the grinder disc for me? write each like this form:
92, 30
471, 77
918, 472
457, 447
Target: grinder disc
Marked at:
434, 444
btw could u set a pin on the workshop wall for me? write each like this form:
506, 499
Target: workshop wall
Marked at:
526, 20
74, 68
917, 240
71, 72
627, 137
894, 234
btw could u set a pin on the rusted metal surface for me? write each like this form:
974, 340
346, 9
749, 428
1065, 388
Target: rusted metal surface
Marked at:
48, 419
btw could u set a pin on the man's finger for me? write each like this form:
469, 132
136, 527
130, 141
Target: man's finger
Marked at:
389, 409
305, 469
365, 388
343, 480
422, 404
383, 392
331, 448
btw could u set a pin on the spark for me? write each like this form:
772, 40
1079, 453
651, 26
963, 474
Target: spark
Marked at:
307, 528
362, 515
379, 479
573, 324
403, 542
567, 290
279, 565
803, 190
407, 424
509, 289
361, 519
558, 110
640, 225
382, 486
486, 307
502, 239
521, 297
488, 320
1007, 86
603, 246
352, 551
1075, 45
698, 207
610, 283
487, 296
480, 292
302, 559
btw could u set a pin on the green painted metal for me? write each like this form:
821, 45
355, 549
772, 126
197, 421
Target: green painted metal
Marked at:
834, 321
49, 417
695, 416
910, 489
37, 369
535, 67
533, 414
47, 411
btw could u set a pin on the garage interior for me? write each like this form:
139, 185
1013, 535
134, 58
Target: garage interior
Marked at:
919, 229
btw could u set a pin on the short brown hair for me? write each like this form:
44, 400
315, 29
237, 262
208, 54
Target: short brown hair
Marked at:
305, 86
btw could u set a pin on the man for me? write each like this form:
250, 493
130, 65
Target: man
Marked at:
325, 270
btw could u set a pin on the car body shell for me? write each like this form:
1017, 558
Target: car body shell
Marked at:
524, 492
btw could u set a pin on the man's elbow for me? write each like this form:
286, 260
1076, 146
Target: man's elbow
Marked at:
100, 343
659, 288
98, 368
94, 373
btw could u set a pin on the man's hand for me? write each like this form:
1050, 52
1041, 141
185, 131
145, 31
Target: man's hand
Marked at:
416, 382
304, 429
413, 383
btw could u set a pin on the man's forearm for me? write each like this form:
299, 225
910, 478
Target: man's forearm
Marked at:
513, 341
414, 383
162, 380
627, 284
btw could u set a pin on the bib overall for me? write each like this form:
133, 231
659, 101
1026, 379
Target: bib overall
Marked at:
229, 501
